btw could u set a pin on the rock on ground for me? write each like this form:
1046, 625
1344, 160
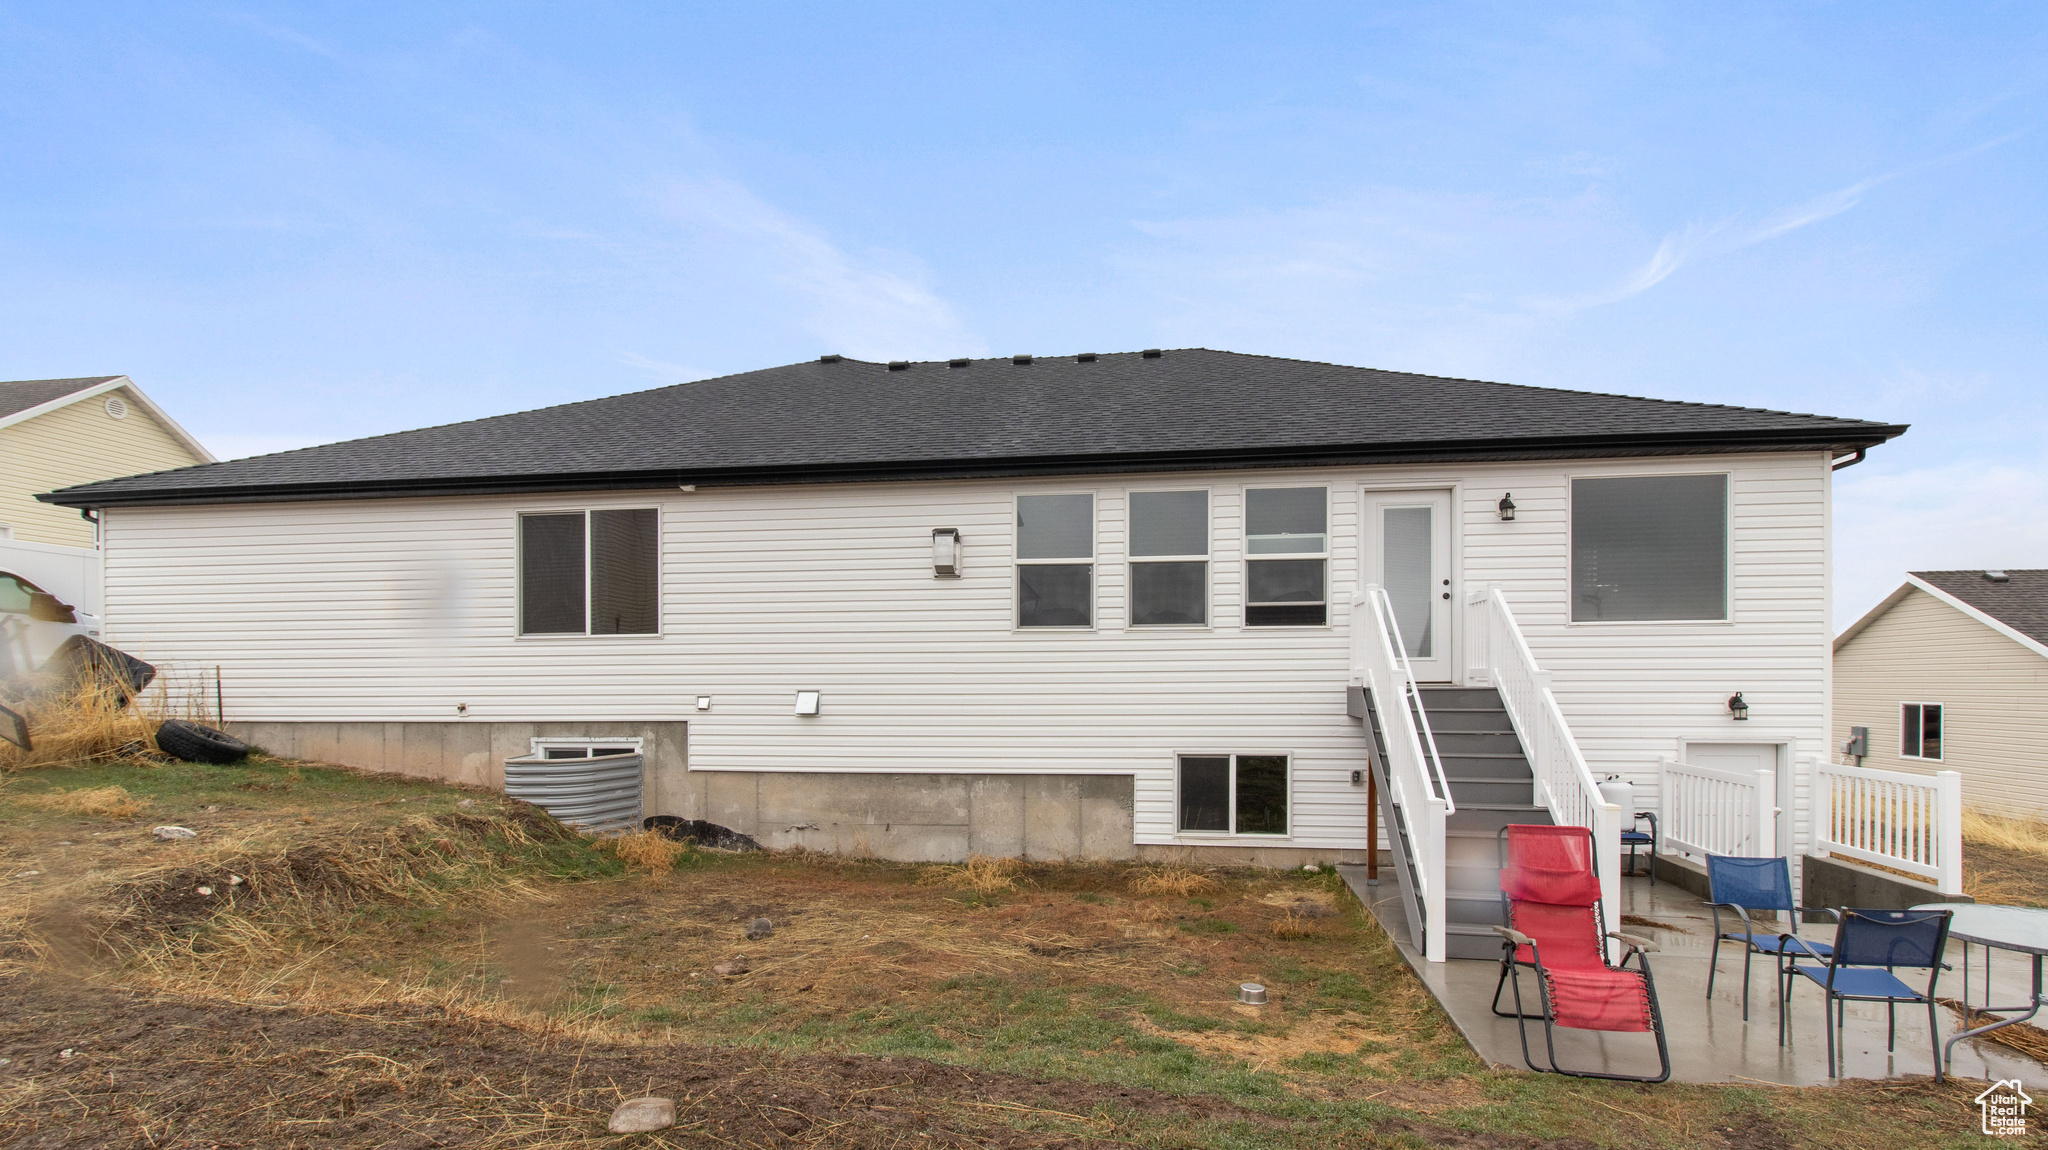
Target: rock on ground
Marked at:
168, 833
640, 1115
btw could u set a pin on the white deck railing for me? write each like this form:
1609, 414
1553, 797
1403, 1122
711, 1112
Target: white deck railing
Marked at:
1420, 791
1911, 823
1714, 811
1564, 782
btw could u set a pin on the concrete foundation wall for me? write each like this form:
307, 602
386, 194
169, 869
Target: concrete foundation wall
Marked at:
923, 817
1831, 882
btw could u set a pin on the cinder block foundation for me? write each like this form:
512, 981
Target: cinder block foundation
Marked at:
905, 817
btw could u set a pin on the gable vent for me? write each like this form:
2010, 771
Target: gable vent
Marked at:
117, 407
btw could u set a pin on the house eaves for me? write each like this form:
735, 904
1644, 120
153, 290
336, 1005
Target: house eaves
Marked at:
1915, 583
101, 385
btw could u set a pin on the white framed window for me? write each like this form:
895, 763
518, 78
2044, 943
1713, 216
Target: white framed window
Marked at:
1287, 556
593, 572
1169, 558
1920, 731
1056, 560
582, 747
1232, 794
1650, 548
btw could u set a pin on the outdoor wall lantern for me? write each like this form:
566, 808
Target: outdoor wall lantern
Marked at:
1737, 708
807, 703
1507, 508
945, 552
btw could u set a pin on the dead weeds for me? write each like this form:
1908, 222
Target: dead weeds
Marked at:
110, 802
91, 722
980, 874
648, 850
1173, 881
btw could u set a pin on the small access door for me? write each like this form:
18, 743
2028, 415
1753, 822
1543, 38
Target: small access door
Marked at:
1749, 758
1408, 551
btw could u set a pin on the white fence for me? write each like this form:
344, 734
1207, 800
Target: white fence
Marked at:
1910, 823
1564, 782
1712, 811
1415, 780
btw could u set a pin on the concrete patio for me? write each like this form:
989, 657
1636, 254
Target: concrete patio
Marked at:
1709, 1042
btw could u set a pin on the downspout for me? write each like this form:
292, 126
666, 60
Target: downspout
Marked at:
1851, 461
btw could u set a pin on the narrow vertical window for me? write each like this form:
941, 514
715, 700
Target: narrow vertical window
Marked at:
1920, 730
590, 573
551, 570
1287, 548
1055, 560
1169, 558
1241, 794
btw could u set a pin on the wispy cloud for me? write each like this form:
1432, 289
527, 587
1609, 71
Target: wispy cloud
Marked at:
873, 307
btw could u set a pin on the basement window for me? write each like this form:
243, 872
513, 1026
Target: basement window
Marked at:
1233, 794
1169, 558
1287, 549
1650, 548
1920, 731
1056, 560
590, 572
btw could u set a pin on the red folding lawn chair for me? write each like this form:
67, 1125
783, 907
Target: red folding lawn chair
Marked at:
1550, 889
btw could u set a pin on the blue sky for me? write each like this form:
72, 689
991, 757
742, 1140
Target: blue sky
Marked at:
299, 223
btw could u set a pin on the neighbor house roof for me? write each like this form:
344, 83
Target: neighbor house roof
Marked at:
2013, 603
841, 419
24, 399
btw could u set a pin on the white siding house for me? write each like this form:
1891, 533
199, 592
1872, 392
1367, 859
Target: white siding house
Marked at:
371, 603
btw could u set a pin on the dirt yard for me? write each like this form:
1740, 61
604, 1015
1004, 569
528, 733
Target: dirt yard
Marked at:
340, 960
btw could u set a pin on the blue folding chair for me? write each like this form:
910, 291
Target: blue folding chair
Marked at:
1745, 885
1634, 839
1869, 946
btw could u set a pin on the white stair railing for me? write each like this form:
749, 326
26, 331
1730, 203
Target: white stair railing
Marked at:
1564, 783
1422, 794
1714, 811
1907, 822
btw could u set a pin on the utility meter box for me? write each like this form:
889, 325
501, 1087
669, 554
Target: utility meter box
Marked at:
1859, 742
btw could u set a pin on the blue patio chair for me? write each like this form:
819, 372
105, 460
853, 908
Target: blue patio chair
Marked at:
1633, 838
1747, 885
1869, 946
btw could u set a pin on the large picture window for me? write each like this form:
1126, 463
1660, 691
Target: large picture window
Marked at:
1920, 731
1651, 547
590, 572
1169, 558
1240, 794
1287, 549
1055, 560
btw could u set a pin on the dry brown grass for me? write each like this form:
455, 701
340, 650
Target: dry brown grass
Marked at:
1173, 881
112, 802
2021, 835
650, 849
981, 874
90, 723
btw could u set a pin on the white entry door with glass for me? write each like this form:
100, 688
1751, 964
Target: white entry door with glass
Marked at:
1408, 551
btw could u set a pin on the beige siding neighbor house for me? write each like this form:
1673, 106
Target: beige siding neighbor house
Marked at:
63, 432
1950, 672
1170, 603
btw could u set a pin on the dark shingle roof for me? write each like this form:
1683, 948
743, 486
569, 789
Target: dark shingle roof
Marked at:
852, 420
2021, 602
22, 394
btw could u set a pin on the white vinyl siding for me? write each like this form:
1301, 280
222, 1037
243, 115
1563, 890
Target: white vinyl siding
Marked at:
395, 610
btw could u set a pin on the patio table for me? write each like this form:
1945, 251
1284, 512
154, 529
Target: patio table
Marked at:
2015, 928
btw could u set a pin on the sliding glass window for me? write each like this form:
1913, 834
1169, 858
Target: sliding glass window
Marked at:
1055, 560
1287, 549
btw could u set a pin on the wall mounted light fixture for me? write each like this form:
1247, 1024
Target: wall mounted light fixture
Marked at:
1737, 708
1507, 508
945, 552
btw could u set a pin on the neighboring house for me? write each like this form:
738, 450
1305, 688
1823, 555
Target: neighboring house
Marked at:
1950, 672
1094, 606
62, 432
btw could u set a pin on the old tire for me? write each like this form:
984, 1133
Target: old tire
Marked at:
196, 744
